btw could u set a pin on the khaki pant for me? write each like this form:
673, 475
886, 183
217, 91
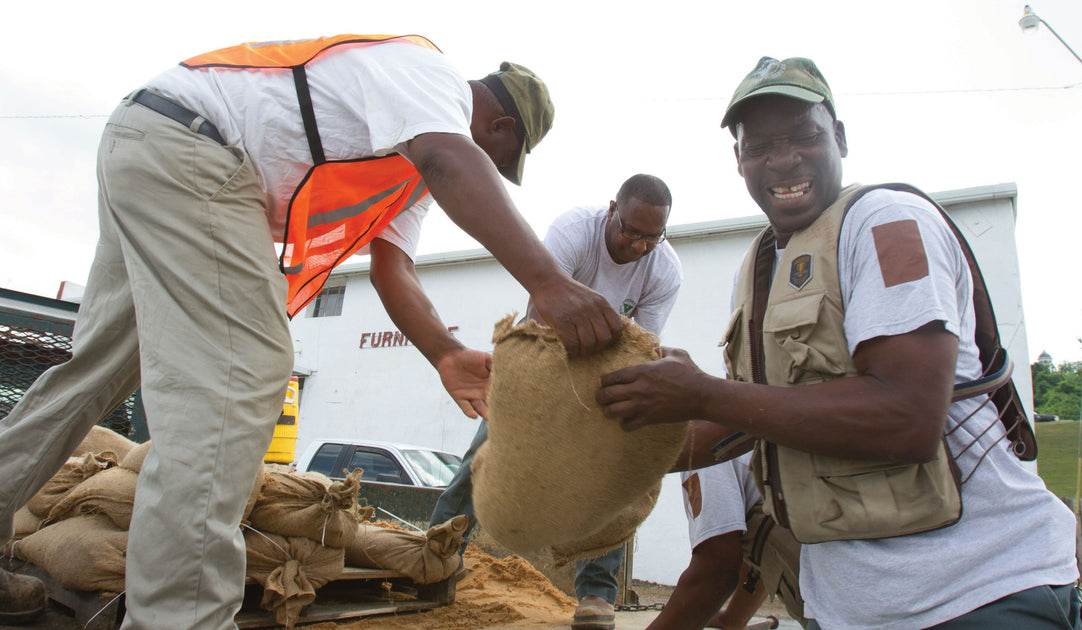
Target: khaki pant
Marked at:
184, 296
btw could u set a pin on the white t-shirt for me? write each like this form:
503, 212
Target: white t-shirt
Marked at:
644, 290
1013, 533
717, 498
368, 102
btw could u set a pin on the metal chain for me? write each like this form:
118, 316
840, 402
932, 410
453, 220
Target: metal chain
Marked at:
639, 607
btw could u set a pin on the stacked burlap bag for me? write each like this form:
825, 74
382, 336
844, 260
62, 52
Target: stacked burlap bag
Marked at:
425, 557
75, 527
24, 523
82, 553
85, 510
102, 439
555, 472
296, 533
290, 569
75, 471
309, 505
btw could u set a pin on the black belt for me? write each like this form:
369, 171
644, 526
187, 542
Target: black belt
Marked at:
169, 109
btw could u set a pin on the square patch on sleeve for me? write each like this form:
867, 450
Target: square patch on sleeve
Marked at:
901, 252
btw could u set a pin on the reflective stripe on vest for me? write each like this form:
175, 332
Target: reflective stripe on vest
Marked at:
340, 206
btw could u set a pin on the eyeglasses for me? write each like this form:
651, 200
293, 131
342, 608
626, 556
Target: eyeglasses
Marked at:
631, 235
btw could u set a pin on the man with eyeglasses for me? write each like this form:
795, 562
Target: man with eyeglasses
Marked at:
619, 251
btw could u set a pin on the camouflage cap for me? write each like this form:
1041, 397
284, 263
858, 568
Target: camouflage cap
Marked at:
795, 77
525, 97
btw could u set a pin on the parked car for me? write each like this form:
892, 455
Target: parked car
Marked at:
1045, 417
401, 481
381, 462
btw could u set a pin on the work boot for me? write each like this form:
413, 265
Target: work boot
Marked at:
22, 598
594, 613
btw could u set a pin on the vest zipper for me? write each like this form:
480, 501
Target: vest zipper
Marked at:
764, 266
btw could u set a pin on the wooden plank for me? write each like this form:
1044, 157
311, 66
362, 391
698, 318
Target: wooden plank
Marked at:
356, 573
355, 593
332, 612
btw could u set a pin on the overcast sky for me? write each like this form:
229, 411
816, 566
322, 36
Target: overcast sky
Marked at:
944, 95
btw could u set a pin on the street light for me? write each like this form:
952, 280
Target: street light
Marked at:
1031, 20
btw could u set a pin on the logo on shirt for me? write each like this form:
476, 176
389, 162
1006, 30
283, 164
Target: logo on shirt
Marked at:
627, 307
800, 271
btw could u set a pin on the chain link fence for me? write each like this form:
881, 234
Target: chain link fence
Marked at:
32, 342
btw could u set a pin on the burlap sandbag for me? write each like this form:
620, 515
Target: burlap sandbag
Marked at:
134, 459
425, 557
101, 439
310, 505
615, 533
290, 569
254, 495
555, 470
72, 473
84, 553
23, 524
110, 492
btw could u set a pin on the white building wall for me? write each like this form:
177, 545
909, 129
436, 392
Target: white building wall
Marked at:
392, 394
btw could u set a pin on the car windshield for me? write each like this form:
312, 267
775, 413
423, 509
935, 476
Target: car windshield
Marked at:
434, 469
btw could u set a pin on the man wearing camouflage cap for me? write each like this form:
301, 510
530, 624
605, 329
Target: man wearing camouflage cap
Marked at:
331, 146
852, 338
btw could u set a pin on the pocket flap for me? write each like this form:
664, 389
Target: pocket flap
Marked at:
802, 311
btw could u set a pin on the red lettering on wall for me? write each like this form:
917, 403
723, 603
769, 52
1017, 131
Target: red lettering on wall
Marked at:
389, 338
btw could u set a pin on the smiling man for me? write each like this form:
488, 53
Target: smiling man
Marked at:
853, 323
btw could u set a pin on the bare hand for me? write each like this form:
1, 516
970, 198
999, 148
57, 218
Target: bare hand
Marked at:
581, 317
465, 375
666, 390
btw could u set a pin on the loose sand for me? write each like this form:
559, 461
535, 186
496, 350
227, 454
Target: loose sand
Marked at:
495, 592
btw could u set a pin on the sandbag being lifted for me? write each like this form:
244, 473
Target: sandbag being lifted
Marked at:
555, 470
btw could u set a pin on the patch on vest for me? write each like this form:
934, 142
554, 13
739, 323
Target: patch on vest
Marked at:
800, 271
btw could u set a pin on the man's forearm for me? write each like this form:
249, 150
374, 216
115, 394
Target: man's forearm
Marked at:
467, 186
405, 301
894, 409
699, 593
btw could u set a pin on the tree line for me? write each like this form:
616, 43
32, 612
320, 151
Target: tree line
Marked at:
1057, 390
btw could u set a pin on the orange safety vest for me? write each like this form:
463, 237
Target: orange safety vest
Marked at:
340, 205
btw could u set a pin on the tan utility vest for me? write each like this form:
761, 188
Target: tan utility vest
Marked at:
799, 319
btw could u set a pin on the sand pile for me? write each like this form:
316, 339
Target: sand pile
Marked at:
495, 592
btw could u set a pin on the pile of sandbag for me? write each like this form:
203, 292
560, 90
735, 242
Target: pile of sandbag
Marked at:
555, 472
300, 529
304, 528
75, 527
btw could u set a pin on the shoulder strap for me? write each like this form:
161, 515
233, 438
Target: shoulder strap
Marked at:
996, 365
738, 443
308, 115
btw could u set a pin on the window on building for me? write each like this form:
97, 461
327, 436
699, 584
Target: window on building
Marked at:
329, 302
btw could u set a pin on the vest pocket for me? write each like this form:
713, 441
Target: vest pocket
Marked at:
731, 345
842, 499
797, 328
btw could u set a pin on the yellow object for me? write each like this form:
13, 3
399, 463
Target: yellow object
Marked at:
284, 444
